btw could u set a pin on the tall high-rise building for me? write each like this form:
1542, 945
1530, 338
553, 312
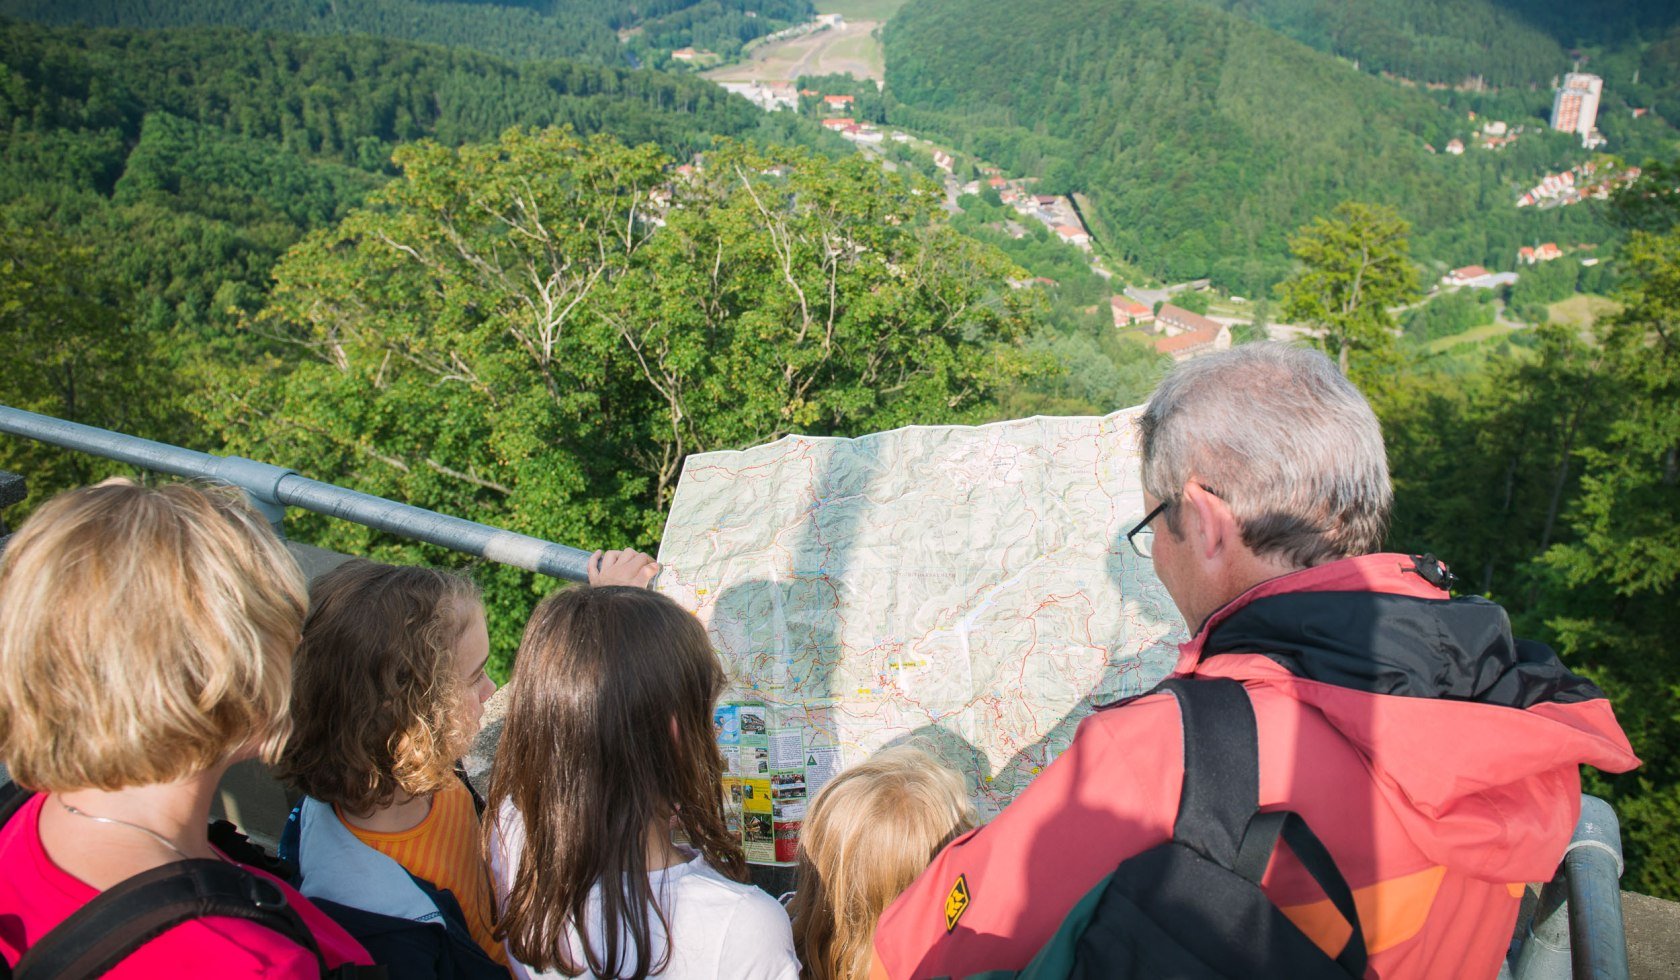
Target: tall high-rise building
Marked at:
1575, 108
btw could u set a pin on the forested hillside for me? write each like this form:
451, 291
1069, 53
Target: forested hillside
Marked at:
1202, 138
1461, 42
1548, 476
510, 31
346, 98
154, 178
520, 31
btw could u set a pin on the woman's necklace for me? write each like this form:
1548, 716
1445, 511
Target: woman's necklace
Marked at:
154, 835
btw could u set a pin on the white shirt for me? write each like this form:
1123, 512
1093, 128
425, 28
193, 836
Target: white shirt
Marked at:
719, 928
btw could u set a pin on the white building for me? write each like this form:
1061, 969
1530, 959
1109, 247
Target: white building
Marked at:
1575, 107
769, 96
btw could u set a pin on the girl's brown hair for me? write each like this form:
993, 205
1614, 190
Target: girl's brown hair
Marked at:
374, 686
868, 834
588, 761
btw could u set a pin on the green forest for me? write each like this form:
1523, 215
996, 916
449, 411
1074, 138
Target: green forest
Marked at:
1202, 138
589, 30
482, 285
1474, 43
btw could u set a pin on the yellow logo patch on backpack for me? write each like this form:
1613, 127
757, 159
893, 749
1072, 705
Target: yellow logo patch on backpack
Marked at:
956, 903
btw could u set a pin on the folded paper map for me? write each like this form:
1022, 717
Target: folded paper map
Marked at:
968, 588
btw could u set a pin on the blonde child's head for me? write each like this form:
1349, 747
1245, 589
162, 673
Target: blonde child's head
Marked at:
866, 837
389, 684
146, 635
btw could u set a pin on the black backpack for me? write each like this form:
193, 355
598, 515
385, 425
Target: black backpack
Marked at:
1192, 907
131, 913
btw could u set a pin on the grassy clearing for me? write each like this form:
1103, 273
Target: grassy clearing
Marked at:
851, 50
1474, 335
1221, 306
852, 53
1582, 310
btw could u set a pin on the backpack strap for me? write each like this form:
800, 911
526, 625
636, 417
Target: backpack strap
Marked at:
1256, 852
1221, 787
1218, 811
461, 774
12, 799
126, 916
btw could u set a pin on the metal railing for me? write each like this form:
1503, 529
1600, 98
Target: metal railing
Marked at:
272, 489
1577, 930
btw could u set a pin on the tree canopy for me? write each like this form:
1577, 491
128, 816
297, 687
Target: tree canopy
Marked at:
1355, 265
539, 331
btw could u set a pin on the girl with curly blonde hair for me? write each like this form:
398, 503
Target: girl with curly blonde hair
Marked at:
388, 690
389, 687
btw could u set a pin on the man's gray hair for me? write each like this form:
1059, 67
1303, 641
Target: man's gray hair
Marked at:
1287, 442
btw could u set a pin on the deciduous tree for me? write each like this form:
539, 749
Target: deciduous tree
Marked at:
538, 332
1616, 599
1355, 265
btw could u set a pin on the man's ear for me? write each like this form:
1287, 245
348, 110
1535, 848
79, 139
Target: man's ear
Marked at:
1208, 520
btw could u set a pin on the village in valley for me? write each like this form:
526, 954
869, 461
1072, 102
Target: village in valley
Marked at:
830, 46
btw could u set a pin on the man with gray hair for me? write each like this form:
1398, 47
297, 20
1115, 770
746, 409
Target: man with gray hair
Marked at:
1434, 755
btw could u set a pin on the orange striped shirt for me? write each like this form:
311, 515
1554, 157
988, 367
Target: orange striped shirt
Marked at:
443, 849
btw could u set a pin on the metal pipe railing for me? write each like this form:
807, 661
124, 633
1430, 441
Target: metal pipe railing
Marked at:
272, 489
1577, 930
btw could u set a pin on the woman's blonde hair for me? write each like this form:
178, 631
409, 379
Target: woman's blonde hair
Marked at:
868, 834
146, 634
375, 696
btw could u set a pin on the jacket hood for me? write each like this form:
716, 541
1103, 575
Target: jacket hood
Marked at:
1466, 726
336, 867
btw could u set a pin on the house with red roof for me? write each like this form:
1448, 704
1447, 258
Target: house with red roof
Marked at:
1129, 312
1073, 235
1186, 334
839, 124
1462, 276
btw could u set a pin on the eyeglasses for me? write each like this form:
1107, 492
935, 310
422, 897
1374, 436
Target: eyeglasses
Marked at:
1142, 537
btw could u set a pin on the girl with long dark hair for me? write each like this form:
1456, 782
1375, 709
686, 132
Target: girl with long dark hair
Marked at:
608, 747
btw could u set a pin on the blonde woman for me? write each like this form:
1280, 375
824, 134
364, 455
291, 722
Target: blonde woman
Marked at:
146, 640
868, 834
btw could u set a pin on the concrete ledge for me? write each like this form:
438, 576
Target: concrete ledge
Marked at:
1653, 936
